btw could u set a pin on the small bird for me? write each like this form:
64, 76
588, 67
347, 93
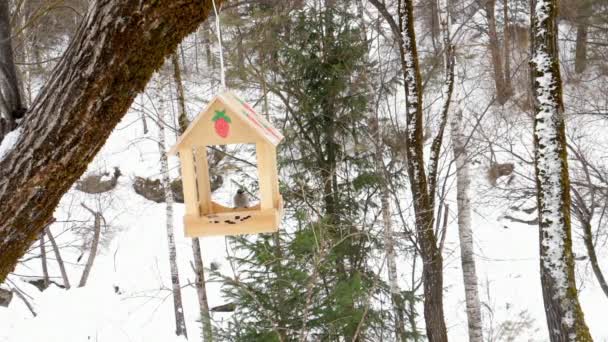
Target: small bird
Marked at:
241, 200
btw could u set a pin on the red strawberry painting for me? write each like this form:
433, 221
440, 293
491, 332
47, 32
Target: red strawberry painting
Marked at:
222, 123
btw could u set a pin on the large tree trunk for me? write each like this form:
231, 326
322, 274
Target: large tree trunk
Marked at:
117, 47
565, 317
10, 96
465, 233
432, 269
499, 78
180, 322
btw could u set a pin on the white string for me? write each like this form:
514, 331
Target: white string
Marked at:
219, 40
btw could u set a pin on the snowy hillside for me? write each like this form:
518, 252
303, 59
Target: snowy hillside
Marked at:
128, 296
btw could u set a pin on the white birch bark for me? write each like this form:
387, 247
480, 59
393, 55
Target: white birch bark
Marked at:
64, 275
180, 323
465, 233
201, 291
389, 246
389, 242
199, 270
94, 244
45, 269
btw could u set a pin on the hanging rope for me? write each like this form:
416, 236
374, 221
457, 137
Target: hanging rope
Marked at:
219, 40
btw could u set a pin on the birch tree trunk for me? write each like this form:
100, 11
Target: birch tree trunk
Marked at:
465, 233
43, 260
94, 244
391, 261
565, 317
389, 240
117, 47
180, 322
590, 246
199, 269
64, 274
201, 291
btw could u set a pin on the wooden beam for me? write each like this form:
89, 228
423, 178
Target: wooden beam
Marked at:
234, 223
202, 179
267, 173
189, 181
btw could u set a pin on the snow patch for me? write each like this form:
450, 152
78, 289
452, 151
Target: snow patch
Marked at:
9, 142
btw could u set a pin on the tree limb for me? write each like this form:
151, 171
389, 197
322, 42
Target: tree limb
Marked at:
113, 54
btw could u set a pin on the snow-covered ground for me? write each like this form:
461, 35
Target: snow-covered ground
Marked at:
128, 295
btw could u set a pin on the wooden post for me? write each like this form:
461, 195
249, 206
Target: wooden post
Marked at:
202, 179
189, 181
267, 173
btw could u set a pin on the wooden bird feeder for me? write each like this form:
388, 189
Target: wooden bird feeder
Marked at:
228, 120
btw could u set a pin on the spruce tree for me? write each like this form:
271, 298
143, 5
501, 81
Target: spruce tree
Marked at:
316, 280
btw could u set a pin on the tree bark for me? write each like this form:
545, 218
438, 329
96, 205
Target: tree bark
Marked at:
94, 244
64, 275
206, 32
117, 47
432, 269
434, 24
465, 233
590, 246
389, 242
10, 96
201, 291
582, 30
507, 49
499, 78
389, 239
199, 269
584, 214
565, 317
43, 260
182, 119
180, 322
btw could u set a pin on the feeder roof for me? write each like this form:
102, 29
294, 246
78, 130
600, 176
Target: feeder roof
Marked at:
241, 124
